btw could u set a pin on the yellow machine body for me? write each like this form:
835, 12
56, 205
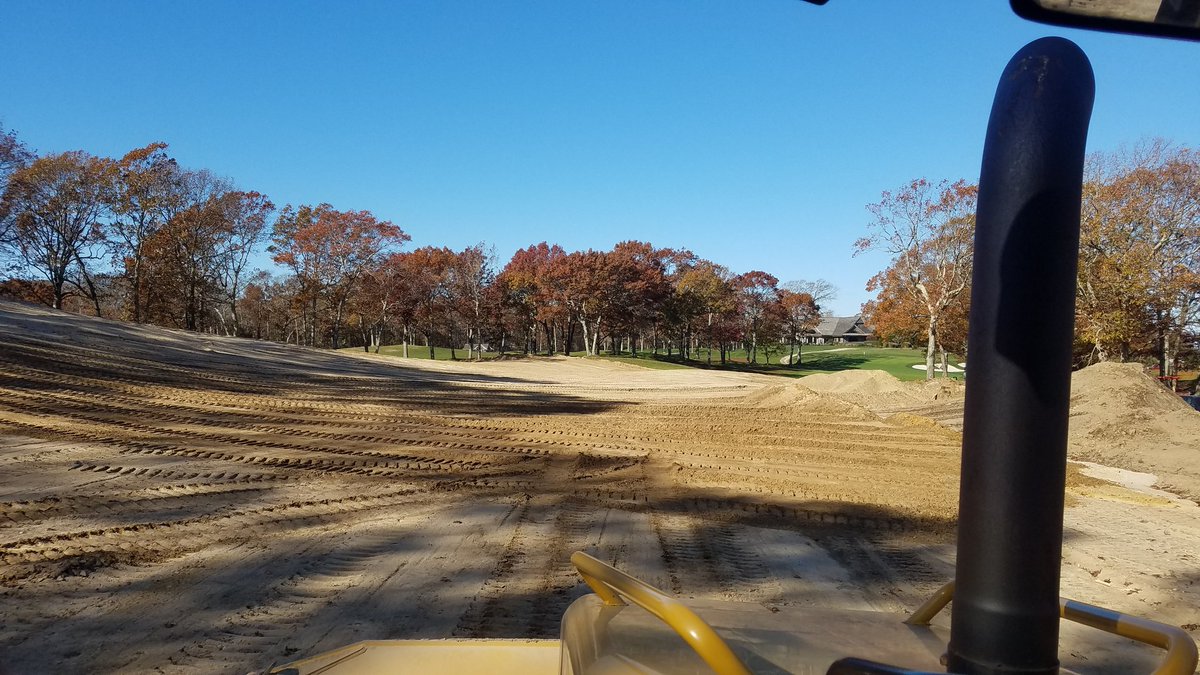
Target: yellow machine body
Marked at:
630, 628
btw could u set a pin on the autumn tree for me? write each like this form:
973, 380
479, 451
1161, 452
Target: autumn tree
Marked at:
429, 285
928, 231
471, 275
800, 314
243, 217
536, 302
703, 297
382, 295
182, 258
583, 277
896, 316
147, 193
14, 155
636, 287
329, 250
821, 291
757, 291
57, 204
1139, 264
267, 308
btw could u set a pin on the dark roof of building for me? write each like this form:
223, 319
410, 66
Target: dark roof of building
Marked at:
841, 325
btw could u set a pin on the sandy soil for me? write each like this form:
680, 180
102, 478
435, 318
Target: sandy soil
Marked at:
177, 503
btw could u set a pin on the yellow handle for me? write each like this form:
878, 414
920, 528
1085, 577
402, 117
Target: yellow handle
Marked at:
612, 584
1181, 657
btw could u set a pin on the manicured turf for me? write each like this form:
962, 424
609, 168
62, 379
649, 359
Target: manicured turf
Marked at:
814, 359
421, 352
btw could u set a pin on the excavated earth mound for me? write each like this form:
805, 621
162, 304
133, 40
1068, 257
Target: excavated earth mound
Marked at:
882, 394
1122, 417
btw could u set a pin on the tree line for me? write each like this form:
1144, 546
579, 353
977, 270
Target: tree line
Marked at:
1139, 261
142, 239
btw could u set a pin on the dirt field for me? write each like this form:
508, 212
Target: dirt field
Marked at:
178, 503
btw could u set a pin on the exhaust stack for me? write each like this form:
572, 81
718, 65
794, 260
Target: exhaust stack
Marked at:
1006, 613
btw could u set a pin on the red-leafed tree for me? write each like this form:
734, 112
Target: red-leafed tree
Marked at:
800, 315
536, 302
328, 250
583, 277
756, 292
637, 289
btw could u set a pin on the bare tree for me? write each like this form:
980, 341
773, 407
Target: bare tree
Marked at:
821, 291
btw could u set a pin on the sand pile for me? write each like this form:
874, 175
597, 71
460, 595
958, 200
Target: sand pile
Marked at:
798, 396
1124, 418
880, 391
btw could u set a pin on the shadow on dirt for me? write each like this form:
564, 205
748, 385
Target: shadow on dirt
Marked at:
70, 368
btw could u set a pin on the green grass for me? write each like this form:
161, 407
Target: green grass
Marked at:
815, 359
420, 352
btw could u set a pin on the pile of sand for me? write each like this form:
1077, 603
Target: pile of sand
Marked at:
1122, 417
798, 396
877, 390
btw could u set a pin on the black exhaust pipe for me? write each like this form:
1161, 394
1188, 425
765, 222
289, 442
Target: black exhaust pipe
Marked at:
1005, 617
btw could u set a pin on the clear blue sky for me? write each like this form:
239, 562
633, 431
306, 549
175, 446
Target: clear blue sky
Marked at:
753, 132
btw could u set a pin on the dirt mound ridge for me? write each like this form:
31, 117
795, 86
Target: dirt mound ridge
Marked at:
882, 392
808, 401
859, 382
1122, 417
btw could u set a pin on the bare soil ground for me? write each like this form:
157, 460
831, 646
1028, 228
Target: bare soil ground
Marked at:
178, 503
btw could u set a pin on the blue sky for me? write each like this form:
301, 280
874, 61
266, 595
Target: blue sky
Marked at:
753, 132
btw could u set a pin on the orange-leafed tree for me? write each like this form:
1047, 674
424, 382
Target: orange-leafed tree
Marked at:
328, 251
928, 230
244, 218
148, 192
14, 155
1139, 263
428, 283
583, 277
704, 298
57, 204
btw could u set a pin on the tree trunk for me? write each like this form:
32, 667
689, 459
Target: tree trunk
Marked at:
930, 347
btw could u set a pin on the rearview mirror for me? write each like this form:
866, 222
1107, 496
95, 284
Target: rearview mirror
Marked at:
1166, 18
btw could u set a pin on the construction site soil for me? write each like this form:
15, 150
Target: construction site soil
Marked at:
171, 502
